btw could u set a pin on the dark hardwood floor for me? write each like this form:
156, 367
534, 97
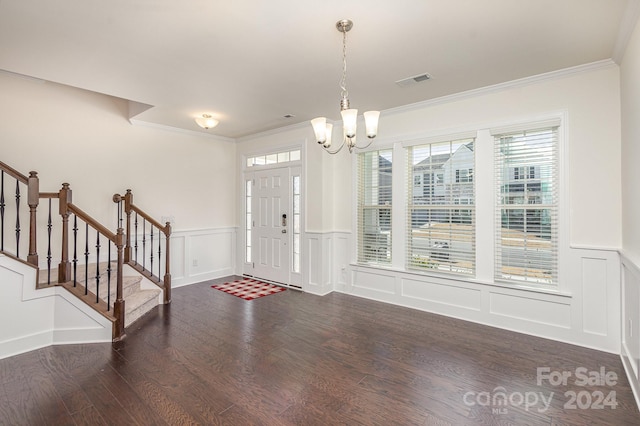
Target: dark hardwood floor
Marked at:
297, 359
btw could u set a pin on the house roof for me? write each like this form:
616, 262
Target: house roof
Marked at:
438, 161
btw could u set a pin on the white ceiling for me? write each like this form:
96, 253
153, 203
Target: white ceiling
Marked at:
251, 62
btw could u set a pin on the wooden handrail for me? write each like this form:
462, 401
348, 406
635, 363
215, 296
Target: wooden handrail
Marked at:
14, 173
46, 195
166, 228
92, 222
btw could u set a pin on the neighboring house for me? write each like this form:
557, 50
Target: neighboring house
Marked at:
447, 180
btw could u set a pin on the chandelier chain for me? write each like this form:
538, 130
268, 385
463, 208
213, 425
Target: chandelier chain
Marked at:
343, 82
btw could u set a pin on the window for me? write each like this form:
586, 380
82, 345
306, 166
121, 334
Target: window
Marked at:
274, 158
527, 206
296, 223
441, 220
248, 220
374, 207
464, 175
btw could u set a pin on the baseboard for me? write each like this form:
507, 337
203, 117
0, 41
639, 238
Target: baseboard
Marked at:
24, 344
197, 278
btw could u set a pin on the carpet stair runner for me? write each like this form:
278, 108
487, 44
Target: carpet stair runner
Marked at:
138, 301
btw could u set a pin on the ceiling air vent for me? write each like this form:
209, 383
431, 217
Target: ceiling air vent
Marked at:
410, 81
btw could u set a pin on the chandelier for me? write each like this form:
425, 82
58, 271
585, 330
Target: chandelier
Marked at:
323, 130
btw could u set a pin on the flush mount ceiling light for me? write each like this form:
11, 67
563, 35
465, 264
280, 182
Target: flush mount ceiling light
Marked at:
323, 130
206, 121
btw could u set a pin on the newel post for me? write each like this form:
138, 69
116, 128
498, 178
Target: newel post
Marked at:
118, 305
167, 266
33, 199
64, 270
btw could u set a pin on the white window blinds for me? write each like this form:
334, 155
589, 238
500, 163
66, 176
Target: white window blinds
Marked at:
441, 207
526, 167
374, 206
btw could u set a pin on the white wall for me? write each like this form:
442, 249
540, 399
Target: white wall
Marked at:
630, 100
84, 138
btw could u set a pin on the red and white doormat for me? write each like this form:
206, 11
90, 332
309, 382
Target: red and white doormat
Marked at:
248, 289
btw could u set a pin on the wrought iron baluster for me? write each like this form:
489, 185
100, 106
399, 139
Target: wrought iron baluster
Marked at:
159, 254
144, 242
17, 218
2, 209
97, 266
75, 250
86, 258
108, 276
120, 213
49, 227
151, 250
135, 246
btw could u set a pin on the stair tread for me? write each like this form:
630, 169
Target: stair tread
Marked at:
140, 297
139, 304
127, 283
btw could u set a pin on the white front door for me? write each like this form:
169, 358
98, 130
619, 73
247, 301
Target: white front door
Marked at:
271, 231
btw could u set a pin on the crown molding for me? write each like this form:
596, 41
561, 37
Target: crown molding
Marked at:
277, 130
521, 82
179, 130
628, 24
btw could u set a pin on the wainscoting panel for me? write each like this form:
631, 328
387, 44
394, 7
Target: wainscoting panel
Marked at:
373, 283
594, 276
441, 294
178, 257
530, 309
631, 322
200, 255
340, 257
314, 263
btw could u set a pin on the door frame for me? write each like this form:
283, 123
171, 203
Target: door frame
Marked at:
296, 169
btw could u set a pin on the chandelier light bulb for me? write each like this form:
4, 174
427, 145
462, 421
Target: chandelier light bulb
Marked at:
320, 129
350, 122
329, 131
371, 123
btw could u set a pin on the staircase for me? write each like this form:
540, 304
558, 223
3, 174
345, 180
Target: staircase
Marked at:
121, 275
138, 300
